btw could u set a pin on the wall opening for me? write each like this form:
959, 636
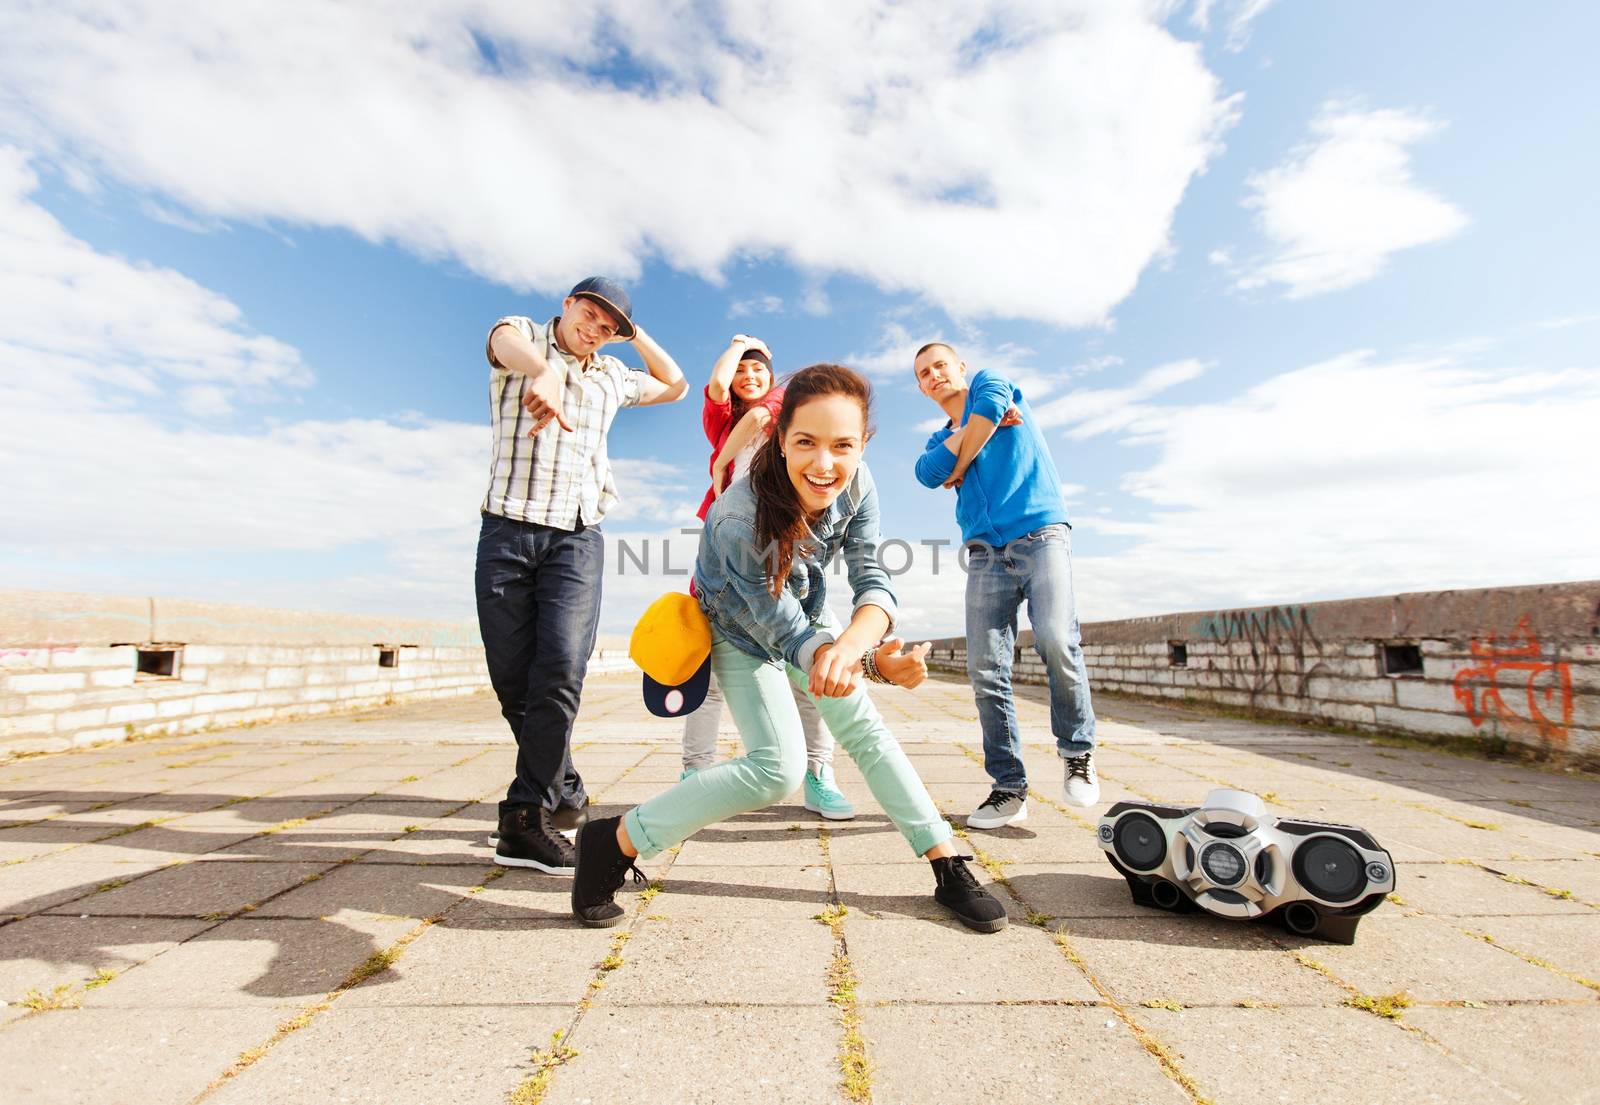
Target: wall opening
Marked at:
158, 663
1177, 654
388, 657
1402, 659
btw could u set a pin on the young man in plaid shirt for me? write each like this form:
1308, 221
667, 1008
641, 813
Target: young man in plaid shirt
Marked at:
552, 396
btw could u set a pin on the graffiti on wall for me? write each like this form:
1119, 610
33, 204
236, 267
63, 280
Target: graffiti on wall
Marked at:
1511, 683
1284, 651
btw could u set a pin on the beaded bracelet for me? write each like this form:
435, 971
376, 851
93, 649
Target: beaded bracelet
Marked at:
869, 667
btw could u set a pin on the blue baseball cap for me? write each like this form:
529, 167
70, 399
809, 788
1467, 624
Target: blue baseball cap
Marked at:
610, 295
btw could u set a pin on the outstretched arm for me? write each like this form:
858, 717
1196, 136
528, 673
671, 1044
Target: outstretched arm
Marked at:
513, 351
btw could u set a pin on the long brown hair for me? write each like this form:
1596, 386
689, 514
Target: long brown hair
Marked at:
781, 523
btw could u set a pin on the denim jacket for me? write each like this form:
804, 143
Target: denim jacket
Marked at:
730, 576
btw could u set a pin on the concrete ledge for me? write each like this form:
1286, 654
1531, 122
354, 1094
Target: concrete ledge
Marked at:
1519, 665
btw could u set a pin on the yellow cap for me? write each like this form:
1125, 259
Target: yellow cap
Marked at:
671, 640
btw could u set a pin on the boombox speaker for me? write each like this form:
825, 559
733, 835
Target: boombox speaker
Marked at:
1230, 857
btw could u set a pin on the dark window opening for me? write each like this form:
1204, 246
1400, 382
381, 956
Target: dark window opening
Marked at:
388, 657
158, 662
1402, 659
1177, 654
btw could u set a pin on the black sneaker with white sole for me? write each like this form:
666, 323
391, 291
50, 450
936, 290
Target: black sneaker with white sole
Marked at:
960, 892
527, 838
567, 820
601, 869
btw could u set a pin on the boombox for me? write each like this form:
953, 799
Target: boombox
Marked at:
1230, 857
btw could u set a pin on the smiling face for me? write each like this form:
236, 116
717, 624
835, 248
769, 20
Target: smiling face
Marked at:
585, 326
822, 449
940, 373
751, 380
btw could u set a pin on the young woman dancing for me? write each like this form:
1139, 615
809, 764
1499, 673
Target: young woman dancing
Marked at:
760, 580
740, 406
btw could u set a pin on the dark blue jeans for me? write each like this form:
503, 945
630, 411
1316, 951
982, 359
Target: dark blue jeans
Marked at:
538, 611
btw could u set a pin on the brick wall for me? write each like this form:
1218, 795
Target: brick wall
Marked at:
69, 665
1514, 664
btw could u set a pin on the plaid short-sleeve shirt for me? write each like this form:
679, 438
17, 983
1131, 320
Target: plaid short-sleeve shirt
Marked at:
555, 478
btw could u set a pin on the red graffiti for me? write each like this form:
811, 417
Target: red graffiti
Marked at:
1546, 685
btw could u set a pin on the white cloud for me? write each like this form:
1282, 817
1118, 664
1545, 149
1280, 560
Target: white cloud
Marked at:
1091, 411
1019, 160
120, 384
766, 304
890, 361
1359, 476
1567, 321
1244, 13
75, 322
1342, 203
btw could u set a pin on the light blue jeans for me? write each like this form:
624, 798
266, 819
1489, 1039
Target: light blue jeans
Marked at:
700, 730
1036, 569
760, 697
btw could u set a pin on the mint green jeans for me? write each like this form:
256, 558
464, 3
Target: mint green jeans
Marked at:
774, 762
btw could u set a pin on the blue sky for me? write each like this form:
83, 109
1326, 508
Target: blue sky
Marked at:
1304, 294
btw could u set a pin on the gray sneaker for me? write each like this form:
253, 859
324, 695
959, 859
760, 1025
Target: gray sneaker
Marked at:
1001, 808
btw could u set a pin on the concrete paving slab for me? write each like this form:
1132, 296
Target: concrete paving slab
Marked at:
1462, 890
466, 1056
725, 846
1460, 842
1433, 960
487, 962
939, 961
743, 894
41, 885
1253, 1055
434, 844
868, 839
395, 891
1074, 890
41, 953
1579, 877
521, 894
49, 836
201, 889
1571, 942
1193, 959
512, 946
1526, 1048
103, 1055
1024, 844
262, 813
685, 962
904, 890
737, 1056
306, 845
1009, 1053
283, 964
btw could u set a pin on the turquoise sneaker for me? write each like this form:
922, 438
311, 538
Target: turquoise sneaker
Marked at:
688, 771
824, 798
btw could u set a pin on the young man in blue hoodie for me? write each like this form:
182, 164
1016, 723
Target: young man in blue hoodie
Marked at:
1014, 527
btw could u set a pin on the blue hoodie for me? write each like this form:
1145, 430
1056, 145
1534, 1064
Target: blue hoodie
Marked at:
1011, 488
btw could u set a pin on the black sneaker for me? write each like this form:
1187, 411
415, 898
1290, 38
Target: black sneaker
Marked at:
599, 873
959, 892
528, 839
566, 820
